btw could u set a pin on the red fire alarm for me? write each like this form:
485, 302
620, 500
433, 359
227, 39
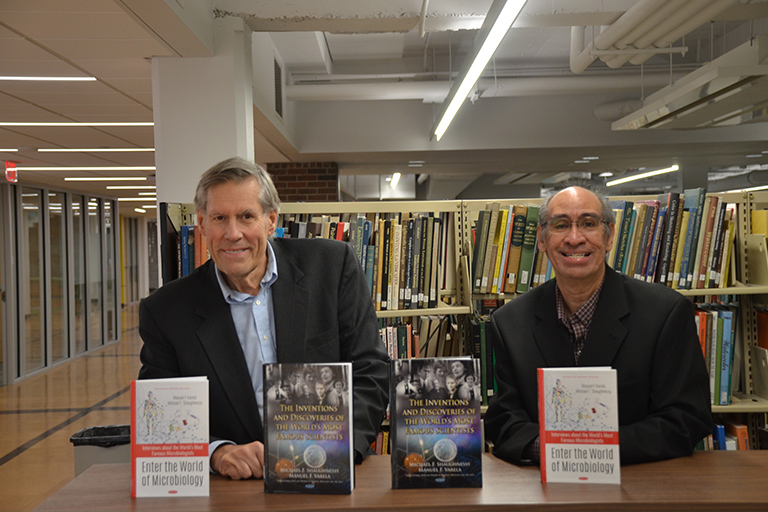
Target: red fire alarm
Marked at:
11, 175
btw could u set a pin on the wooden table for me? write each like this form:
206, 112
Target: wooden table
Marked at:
715, 481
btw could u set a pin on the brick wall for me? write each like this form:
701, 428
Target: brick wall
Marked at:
306, 182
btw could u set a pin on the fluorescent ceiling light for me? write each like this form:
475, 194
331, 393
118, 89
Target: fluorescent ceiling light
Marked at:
131, 187
147, 193
49, 78
94, 150
139, 210
510, 9
77, 124
642, 175
131, 198
149, 206
124, 178
8, 150
395, 179
107, 168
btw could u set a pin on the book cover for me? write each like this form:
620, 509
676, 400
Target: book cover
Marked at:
435, 423
507, 239
529, 249
624, 232
478, 252
308, 428
670, 226
520, 213
738, 431
579, 425
169, 437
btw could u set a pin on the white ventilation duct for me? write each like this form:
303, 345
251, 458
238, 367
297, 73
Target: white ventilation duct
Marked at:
651, 25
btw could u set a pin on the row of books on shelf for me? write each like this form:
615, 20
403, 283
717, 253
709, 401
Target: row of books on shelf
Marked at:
716, 324
504, 254
683, 241
403, 255
191, 249
726, 435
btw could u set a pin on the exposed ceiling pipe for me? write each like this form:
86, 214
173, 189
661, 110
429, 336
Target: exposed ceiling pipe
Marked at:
689, 23
423, 17
435, 91
649, 24
629, 40
613, 33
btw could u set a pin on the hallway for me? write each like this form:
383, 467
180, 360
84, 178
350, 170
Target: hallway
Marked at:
38, 416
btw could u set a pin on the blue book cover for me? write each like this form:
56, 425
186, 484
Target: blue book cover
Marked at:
435, 429
726, 357
186, 232
718, 436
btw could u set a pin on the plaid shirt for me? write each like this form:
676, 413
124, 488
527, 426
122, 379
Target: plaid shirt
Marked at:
578, 323
578, 327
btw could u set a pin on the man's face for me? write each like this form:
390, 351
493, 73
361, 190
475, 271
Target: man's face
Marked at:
236, 231
451, 384
457, 369
326, 374
574, 254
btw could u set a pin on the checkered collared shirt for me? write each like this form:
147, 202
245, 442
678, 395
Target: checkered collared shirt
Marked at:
578, 323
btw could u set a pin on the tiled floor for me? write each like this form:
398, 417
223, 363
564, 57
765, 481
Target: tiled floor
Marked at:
38, 416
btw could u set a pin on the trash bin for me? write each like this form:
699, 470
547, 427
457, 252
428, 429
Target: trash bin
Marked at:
101, 445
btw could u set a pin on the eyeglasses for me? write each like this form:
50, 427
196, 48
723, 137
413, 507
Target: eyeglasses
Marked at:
586, 224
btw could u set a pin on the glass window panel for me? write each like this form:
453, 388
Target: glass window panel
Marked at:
32, 291
78, 277
95, 289
58, 249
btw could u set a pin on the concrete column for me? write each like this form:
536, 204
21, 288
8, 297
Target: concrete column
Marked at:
203, 111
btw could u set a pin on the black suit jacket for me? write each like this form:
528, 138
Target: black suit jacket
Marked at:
323, 313
645, 331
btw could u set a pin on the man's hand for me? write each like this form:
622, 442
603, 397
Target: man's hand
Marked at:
239, 461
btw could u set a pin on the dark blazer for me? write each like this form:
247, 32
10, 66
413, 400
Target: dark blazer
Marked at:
323, 313
645, 331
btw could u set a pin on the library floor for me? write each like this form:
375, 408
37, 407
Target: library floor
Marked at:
38, 416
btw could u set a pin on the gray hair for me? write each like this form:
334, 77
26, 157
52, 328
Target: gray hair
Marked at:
607, 214
238, 170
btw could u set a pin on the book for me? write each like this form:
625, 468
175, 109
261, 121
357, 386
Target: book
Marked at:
169, 437
308, 424
529, 249
623, 234
478, 252
435, 425
579, 425
490, 248
739, 432
520, 212
671, 225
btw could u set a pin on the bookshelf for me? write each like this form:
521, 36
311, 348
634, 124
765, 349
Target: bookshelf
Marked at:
748, 272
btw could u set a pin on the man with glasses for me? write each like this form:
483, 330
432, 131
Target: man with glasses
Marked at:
590, 315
